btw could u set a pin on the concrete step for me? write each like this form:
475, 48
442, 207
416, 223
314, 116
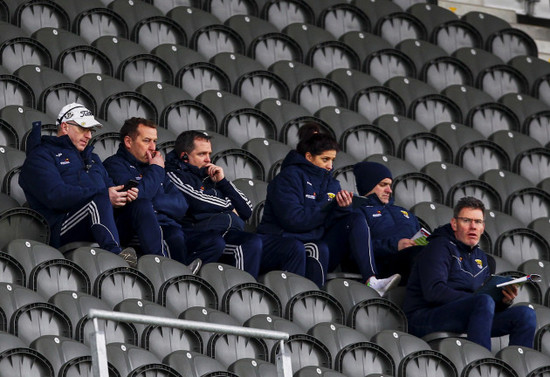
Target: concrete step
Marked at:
464, 6
535, 32
544, 49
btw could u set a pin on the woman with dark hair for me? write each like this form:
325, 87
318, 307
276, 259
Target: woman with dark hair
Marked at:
305, 202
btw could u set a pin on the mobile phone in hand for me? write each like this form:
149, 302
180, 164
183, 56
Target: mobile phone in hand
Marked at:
130, 184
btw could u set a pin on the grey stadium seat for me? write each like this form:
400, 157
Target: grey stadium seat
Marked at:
22, 223
413, 188
31, 315
48, 272
18, 360
299, 295
77, 305
239, 294
132, 360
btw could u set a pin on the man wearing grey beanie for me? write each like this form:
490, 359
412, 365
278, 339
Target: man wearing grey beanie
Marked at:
391, 226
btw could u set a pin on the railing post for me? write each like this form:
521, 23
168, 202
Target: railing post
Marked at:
99, 350
284, 365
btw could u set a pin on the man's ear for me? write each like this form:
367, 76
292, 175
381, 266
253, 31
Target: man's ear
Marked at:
63, 129
127, 141
453, 224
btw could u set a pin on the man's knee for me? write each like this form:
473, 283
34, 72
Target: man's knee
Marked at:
252, 242
526, 316
319, 251
484, 303
102, 201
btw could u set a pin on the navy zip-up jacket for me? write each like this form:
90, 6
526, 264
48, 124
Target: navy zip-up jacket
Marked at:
299, 200
445, 271
388, 224
212, 206
154, 185
58, 179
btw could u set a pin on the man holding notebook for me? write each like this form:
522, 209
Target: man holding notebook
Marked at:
392, 227
441, 293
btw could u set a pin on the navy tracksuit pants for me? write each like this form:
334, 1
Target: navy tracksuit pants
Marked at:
92, 222
347, 241
282, 253
169, 240
476, 316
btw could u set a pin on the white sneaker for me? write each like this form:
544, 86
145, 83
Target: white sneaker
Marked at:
383, 285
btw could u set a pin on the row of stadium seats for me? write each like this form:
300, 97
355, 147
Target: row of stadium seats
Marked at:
345, 322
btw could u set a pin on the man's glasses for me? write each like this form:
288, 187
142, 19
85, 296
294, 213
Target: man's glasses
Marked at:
80, 128
468, 221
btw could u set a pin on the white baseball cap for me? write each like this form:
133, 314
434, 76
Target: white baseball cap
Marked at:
79, 114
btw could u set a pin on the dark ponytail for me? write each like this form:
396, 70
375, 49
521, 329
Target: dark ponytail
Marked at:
308, 130
316, 144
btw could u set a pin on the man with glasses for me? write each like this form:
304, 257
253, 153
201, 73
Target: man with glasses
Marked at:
67, 183
441, 293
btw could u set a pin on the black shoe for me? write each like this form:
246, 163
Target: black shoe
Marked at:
130, 256
195, 266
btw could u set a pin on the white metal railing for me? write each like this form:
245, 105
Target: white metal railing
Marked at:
99, 349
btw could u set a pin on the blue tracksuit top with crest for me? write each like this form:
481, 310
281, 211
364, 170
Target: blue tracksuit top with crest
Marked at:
388, 224
153, 185
212, 206
299, 200
57, 178
446, 270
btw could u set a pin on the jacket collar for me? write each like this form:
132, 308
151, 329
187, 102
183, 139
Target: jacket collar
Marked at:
125, 154
178, 164
374, 200
447, 231
65, 142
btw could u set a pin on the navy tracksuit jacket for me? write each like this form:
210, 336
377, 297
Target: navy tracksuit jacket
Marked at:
156, 215
301, 204
441, 295
299, 200
388, 224
446, 270
212, 208
58, 179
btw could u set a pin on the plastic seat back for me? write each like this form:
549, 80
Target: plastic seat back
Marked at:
374, 315
522, 244
268, 322
182, 292
413, 188
336, 337
524, 360
30, 315
305, 350
528, 205
364, 358
194, 364
131, 360
77, 305
239, 294
23, 223
229, 348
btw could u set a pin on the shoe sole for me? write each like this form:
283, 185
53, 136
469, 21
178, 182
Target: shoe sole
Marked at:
392, 284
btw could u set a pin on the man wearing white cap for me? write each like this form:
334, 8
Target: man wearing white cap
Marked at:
67, 183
